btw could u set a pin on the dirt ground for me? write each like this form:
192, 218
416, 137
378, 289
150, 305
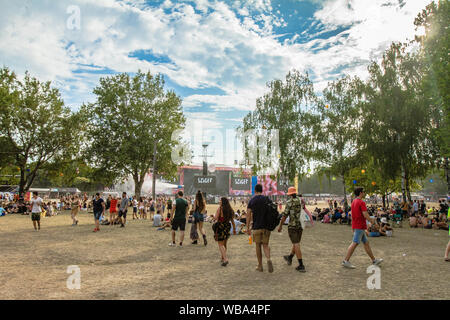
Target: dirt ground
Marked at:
136, 263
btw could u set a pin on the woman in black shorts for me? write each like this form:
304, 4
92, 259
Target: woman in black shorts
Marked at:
169, 208
199, 214
224, 216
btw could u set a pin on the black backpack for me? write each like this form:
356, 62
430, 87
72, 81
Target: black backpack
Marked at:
272, 216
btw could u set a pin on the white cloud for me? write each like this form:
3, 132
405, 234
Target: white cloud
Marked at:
207, 43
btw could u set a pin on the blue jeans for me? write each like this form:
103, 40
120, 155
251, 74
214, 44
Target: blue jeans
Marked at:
359, 235
97, 215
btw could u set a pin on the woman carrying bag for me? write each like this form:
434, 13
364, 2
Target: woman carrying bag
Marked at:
222, 227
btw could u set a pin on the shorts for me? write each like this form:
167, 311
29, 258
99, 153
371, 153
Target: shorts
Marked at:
134, 209
374, 234
261, 236
97, 215
35, 216
199, 217
178, 224
295, 234
359, 235
123, 213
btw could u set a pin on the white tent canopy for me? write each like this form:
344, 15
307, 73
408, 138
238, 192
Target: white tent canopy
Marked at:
161, 187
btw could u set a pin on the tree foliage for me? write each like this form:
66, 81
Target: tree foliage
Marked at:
130, 115
35, 124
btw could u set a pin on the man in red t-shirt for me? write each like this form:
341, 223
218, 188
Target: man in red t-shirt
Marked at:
359, 217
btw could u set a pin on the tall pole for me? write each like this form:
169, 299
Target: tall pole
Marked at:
154, 173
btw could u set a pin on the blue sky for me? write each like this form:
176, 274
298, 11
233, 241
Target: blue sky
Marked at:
217, 55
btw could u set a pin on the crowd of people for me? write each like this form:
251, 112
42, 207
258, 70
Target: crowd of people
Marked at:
416, 212
253, 218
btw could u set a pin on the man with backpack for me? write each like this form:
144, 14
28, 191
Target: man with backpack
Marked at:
259, 215
293, 210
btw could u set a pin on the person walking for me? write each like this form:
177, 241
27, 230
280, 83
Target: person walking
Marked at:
113, 210
36, 203
359, 225
222, 227
180, 213
293, 210
75, 210
141, 207
152, 208
135, 208
256, 222
123, 210
98, 205
169, 208
199, 212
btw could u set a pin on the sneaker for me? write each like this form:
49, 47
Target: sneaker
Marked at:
172, 244
301, 268
259, 268
224, 264
194, 242
122, 226
377, 261
181, 244
95, 230
347, 264
288, 260
270, 266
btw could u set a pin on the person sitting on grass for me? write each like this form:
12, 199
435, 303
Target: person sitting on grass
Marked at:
165, 225
326, 218
3, 212
441, 224
427, 222
373, 230
385, 228
420, 221
413, 221
157, 218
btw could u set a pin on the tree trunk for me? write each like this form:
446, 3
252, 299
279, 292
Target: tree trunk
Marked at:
403, 183
137, 186
384, 200
154, 173
345, 189
22, 183
446, 175
408, 191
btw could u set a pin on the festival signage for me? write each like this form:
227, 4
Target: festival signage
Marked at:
240, 183
204, 181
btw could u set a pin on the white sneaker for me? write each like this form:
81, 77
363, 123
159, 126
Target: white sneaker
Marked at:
377, 261
348, 265
172, 244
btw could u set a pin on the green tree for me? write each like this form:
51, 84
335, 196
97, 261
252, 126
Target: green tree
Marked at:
435, 48
132, 115
340, 120
286, 108
35, 124
396, 127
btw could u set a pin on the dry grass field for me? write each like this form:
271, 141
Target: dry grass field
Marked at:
136, 263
